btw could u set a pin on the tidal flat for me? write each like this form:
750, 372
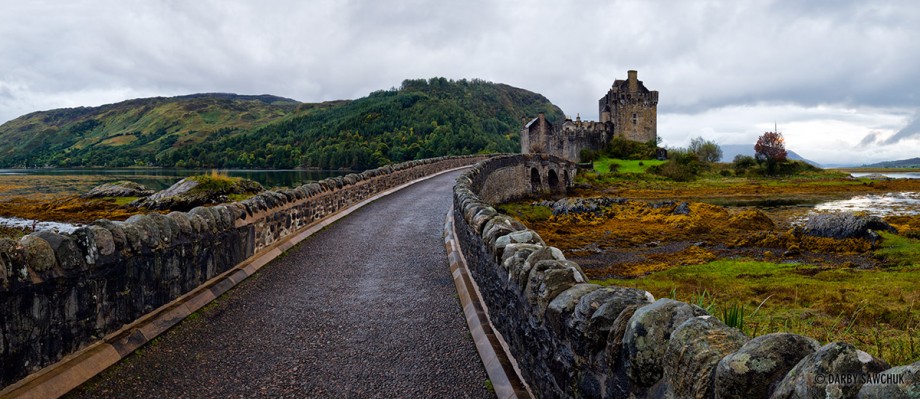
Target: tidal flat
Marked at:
736, 244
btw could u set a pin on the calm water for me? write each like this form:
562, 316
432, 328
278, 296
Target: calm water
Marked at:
37, 225
904, 203
899, 175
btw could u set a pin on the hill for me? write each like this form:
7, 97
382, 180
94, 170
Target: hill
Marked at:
422, 118
904, 163
730, 151
130, 132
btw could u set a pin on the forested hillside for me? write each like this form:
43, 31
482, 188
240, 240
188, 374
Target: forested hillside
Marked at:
423, 118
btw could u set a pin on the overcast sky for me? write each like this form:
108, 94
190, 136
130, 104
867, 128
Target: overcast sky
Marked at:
840, 78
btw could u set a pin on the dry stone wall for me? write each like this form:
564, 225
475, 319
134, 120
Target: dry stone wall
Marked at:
61, 292
576, 339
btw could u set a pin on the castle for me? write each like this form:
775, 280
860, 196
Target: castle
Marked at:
629, 110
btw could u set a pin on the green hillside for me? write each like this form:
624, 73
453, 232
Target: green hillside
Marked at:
423, 118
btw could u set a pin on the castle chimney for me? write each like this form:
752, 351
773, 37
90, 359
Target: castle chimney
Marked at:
633, 81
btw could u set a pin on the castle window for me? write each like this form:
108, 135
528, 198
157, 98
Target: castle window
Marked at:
635, 118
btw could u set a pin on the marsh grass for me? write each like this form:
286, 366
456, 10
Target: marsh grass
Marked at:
215, 181
524, 211
899, 250
607, 165
14, 233
122, 201
876, 310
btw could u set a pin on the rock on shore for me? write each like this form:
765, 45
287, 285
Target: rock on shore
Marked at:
118, 189
196, 191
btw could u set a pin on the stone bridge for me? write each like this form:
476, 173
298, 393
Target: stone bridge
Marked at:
364, 307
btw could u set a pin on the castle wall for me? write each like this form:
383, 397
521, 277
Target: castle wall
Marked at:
566, 141
645, 127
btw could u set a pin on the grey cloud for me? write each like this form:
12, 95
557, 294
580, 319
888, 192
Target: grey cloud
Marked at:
912, 130
871, 138
700, 55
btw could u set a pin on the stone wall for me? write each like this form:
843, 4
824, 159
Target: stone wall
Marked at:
61, 292
575, 339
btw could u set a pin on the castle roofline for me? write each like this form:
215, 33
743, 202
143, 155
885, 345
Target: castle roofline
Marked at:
623, 86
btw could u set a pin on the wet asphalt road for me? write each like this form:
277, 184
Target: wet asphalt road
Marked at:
364, 308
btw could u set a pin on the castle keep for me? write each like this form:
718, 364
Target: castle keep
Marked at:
628, 110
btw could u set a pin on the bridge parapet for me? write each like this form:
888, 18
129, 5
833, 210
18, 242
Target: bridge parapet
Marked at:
63, 292
572, 338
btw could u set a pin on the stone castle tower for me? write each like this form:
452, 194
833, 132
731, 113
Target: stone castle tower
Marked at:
628, 110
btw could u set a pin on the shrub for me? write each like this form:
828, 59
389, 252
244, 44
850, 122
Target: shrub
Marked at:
587, 155
742, 163
621, 148
795, 167
683, 165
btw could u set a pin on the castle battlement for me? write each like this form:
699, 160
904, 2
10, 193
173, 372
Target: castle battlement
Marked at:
628, 110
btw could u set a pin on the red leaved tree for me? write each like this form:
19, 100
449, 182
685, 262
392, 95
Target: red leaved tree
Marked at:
770, 148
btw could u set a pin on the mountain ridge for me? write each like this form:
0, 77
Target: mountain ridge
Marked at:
422, 118
902, 163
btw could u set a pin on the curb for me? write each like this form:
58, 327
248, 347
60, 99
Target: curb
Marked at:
73, 370
500, 365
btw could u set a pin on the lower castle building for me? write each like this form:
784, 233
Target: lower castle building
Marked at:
628, 110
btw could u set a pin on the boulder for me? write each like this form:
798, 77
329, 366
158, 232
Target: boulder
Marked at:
646, 338
118, 189
755, 369
68, 255
566, 206
845, 225
895, 383
548, 279
199, 190
560, 309
595, 313
876, 176
836, 370
516, 237
12, 262
520, 272
682, 209
694, 350
39, 254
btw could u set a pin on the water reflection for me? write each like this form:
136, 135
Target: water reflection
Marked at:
904, 203
898, 175
35, 225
